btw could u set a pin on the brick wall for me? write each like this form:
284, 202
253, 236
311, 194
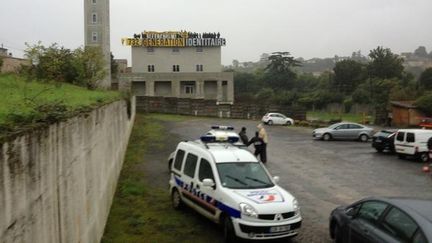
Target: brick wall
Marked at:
201, 107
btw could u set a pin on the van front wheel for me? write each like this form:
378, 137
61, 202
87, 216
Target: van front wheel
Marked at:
228, 228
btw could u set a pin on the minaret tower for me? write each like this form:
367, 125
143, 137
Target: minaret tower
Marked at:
97, 32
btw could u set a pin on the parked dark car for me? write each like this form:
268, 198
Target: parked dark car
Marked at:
383, 219
384, 141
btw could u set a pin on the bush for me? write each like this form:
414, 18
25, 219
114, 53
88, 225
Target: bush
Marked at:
83, 66
424, 103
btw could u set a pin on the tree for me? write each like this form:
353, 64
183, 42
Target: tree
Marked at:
83, 66
279, 73
384, 64
235, 63
425, 79
89, 64
348, 75
281, 62
246, 83
51, 63
424, 103
114, 67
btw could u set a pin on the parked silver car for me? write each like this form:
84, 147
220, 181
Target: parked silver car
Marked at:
345, 131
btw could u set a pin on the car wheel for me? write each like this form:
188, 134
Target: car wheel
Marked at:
176, 200
288, 123
228, 228
424, 157
270, 122
327, 137
379, 150
337, 234
364, 138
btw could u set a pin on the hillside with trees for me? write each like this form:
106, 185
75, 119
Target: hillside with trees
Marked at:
371, 81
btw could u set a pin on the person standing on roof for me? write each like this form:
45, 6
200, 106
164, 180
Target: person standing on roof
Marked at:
263, 135
243, 136
258, 144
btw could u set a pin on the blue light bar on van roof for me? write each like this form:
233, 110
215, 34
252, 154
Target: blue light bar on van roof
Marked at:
222, 127
214, 139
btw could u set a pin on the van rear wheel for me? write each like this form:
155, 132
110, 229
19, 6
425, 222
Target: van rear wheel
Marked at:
424, 157
176, 200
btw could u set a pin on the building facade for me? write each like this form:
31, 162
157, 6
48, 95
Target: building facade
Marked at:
97, 32
11, 64
178, 64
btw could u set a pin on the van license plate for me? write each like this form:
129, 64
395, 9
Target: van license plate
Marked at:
275, 229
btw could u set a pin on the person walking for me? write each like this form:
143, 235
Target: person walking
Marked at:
243, 136
258, 144
262, 133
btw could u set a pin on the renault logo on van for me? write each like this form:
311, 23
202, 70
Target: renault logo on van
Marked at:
278, 217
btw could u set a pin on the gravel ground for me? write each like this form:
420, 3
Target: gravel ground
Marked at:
322, 175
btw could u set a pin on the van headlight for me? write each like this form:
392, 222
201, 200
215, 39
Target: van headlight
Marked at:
248, 210
296, 206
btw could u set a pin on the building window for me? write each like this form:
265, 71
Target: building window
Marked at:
199, 67
176, 68
199, 49
150, 68
94, 36
94, 18
176, 50
189, 89
150, 49
94, 1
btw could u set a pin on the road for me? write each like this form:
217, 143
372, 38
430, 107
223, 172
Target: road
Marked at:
323, 175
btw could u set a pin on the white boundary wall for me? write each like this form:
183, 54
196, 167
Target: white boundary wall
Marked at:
57, 183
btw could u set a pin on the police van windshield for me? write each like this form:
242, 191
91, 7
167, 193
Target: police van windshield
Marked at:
240, 175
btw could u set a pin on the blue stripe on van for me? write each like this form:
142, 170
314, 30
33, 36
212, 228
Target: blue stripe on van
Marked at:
223, 207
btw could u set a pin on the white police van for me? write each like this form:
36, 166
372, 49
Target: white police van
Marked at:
230, 186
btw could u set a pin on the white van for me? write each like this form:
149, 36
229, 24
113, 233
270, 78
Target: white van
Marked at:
229, 186
412, 142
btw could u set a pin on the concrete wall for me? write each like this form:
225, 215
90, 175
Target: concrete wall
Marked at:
163, 59
202, 107
12, 64
57, 183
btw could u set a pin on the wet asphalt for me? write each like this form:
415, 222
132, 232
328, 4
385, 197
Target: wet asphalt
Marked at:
322, 175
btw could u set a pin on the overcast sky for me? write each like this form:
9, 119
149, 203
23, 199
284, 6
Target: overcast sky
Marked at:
306, 28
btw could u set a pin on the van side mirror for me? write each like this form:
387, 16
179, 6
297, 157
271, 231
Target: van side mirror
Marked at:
276, 179
208, 183
350, 212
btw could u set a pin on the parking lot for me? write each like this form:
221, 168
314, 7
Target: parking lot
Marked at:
322, 175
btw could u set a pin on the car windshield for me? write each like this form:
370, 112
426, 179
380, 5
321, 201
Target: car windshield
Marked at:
243, 175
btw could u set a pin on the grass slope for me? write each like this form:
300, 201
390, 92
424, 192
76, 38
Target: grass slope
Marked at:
143, 213
24, 102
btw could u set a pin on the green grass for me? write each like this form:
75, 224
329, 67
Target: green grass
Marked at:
327, 116
143, 213
23, 102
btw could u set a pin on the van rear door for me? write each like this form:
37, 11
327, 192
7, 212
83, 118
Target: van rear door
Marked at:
405, 142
